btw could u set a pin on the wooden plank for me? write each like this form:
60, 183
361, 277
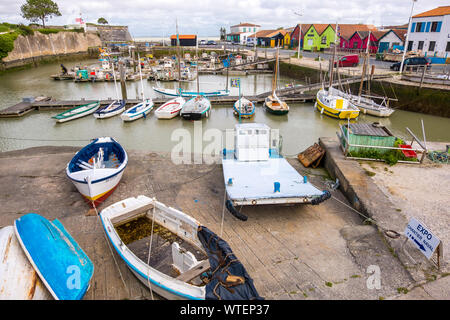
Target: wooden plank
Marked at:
194, 272
133, 214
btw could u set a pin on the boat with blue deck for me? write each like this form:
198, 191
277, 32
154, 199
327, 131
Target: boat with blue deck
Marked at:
115, 108
185, 93
256, 174
59, 261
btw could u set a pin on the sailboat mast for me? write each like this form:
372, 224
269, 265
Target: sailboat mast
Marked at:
140, 75
196, 53
332, 60
178, 58
275, 80
115, 83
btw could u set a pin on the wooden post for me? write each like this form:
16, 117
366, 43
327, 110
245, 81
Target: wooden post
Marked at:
122, 81
423, 76
362, 77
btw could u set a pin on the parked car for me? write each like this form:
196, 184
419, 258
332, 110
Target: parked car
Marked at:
235, 43
348, 61
202, 42
211, 43
250, 44
414, 62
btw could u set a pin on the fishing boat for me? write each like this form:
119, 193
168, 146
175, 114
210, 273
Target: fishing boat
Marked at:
138, 111
77, 112
18, 279
255, 173
244, 108
59, 261
96, 169
108, 111
272, 103
186, 93
196, 108
335, 106
365, 104
173, 254
170, 109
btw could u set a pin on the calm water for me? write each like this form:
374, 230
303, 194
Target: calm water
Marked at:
300, 128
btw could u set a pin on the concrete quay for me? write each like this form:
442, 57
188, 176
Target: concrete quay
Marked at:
291, 252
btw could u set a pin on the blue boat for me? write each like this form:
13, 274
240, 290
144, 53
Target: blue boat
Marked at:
115, 108
61, 264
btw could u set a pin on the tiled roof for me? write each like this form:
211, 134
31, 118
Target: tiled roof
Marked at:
401, 33
347, 30
262, 33
246, 24
439, 11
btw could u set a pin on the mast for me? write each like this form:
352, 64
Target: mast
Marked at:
115, 83
140, 75
196, 53
332, 60
275, 80
178, 58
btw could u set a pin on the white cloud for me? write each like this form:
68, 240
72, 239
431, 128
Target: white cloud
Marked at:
205, 17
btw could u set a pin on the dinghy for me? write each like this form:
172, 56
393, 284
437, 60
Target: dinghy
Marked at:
138, 111
170, 109
18, 279
96, 169
115, 108
61, 264
244, 108
196, 108
77, 112
172, 254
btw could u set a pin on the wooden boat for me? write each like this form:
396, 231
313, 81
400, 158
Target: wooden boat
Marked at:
138, 111
335, 106
170, 109
115, 108
185, 93
272, 103
77, 112
244, 108
18, 279
196, 108
172, 254
61, 264
366, 105
97, 169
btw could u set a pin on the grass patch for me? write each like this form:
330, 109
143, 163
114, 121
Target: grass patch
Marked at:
402, 290
369, 173
355, 276
305, 295
328, 284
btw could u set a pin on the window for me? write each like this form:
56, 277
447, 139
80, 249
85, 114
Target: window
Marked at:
324, 40
418, 26
245, 29
434, 26
448, 47
254, 29
432, 46
420, 46
410, 45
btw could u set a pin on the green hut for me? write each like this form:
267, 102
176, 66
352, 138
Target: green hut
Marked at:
366, 134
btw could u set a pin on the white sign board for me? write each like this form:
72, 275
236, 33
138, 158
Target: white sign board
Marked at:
422, 237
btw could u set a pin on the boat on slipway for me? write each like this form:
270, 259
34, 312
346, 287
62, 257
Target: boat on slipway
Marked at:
256, 174
196, 108
59, 261
77, 112
97, 169
170, 109
189, 260
18, 279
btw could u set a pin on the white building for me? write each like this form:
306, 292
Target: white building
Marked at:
240, 32
430, 32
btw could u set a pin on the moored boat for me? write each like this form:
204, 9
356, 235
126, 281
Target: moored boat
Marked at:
115, 108
77, 112
189, 262
244, 108
59, 261
97, 169
196, 108
138, 111
335, 106
170, 109
185, 93
18, 279
272, 103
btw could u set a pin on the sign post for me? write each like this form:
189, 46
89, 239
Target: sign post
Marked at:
423, 239
236, 83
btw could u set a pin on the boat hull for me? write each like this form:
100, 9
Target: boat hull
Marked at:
276, 112
61, 264
78, 115
170, 109
127, 116
331, 112
381, 113
18, 279
103, 115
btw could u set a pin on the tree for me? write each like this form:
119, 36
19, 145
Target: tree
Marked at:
102, 21
223, 33
39, 10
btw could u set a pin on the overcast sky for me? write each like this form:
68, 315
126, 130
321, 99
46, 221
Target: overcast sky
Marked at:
156, 18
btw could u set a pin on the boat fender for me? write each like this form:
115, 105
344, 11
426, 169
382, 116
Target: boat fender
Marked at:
325, 196
234, 212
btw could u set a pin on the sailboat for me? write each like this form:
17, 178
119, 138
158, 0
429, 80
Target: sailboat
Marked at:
272, 103
365, 104
198, 107
244, 108
331, 104
141, 109
173, 107
116, 107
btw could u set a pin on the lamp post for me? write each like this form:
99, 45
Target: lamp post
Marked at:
299, 34
405, 47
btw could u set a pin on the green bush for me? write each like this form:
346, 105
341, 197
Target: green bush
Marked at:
7, 43
48, 31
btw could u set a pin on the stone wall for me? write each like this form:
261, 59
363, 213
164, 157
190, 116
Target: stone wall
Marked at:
29, 49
